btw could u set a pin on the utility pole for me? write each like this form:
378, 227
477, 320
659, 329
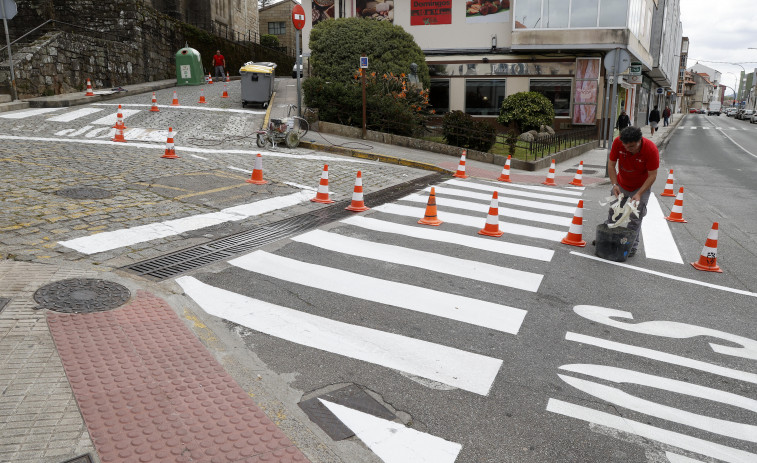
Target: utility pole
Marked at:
6, 16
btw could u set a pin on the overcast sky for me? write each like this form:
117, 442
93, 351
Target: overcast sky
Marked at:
721, 31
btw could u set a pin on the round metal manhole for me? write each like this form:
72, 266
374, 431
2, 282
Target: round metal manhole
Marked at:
81, 295
84, 193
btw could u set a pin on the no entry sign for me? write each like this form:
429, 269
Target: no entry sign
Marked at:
298, 17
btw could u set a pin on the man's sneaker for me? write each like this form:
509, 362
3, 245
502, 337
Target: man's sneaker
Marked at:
632, 253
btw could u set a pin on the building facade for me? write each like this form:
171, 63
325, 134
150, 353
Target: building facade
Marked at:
276, 19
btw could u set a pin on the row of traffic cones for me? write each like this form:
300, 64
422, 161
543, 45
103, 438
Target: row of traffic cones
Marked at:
505, 175
210, 78
175, 100
210, 81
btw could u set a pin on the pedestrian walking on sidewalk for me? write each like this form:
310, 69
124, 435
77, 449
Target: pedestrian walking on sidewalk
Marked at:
654, 119
666, 116
623, 121
632, 167
219, 63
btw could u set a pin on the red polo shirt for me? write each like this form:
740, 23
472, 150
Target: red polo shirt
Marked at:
633, 169
217, 60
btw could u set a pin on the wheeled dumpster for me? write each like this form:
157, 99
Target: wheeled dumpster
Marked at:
257, 83
189, 67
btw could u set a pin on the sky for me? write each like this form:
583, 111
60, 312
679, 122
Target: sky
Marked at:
721, 32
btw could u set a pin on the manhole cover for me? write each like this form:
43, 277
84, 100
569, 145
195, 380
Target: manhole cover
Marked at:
84, 193
82, 295
585, 171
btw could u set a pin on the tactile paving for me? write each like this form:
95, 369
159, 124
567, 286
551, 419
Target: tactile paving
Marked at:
149, 391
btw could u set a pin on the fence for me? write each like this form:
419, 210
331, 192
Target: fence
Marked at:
560, 141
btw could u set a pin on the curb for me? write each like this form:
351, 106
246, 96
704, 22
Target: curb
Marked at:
53, 102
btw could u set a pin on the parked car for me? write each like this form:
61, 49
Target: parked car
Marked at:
702, 111
730, 112
693, 111
738, 114
753, 119
747, 115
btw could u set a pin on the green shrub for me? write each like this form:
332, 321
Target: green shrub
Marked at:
460, 129
527, 111
270, 41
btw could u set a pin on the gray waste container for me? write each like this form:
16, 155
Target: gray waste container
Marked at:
257, 83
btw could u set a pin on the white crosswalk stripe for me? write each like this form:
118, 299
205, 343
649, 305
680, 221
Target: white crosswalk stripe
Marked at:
73, 115
28, 113
111, 118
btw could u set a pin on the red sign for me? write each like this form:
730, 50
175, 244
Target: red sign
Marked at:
298, 17
430, 12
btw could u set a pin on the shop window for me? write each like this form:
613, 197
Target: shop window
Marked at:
557, 91
277, 28
439, 95
484, 97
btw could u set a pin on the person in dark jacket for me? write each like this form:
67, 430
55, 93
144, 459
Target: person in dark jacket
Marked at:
666, 116
654, 119
623, 121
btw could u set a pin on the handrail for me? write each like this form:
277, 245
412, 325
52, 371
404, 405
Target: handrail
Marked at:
60, 22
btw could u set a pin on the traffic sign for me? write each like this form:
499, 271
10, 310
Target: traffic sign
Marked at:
625, 61
298, 17
363, 62
635, 69
660, 90
9, 9
636, 80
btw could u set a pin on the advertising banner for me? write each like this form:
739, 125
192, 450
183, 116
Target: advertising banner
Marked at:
587, 89
378, 10
487, 11
322, 9
430, 12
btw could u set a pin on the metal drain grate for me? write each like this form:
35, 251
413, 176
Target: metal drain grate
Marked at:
80, 459
179, 262
3, 302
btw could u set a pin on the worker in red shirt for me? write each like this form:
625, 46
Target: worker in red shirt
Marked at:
219, 63
632, 167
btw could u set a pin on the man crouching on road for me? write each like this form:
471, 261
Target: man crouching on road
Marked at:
637, 160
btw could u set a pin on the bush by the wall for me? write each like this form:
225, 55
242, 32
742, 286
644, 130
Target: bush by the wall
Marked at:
527, 111
460, 129
270, 41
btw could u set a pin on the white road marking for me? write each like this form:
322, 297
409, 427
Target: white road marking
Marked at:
434, 262
470, 221
484, 208
193, 108
658, 240
742, 148
110, 119
675, 458
682, 441
460, 308
566, 190
106, 241
508, 191
440, 190
72, 115
433, 234
28, 113
393, 442
465, 370
666, 275
663, 357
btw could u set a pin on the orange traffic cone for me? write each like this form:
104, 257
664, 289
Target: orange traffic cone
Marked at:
676, 214
154, 107
257, 172
323, 188
669, 185
227, 77
210, 79
575, 232
119, 135
119, 119
430, 217
461, 167
579, 175
505, 175
708, 258
550, 176
357, 204
89, 89
202, 97
175, 101
492, 219
225, 93
170, 151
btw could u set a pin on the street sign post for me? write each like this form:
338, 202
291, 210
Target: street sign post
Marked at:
363, 67
298, 20
8, 10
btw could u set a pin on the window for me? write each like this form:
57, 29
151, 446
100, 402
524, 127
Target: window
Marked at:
484, 97
557, 91
583, 13
439, 95
574, 14
277, 28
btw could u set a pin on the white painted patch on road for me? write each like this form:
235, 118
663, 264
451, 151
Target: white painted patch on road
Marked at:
477, 222
666, 275
675, 458
505, 191
566, 190
465, 370
107, 241
110, 119
468, 241
682, 441
451, 306
478, 271
393, 442
657, 238
182, 107
73, 115
28, 113
441, 190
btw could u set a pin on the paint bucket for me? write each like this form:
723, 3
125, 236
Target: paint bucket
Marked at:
614, 243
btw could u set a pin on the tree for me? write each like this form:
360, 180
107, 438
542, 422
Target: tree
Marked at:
527, 111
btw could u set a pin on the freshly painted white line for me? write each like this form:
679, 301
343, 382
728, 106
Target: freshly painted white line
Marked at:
72, 115
665, 275
28, 113
675, 458
682, 441
441, 190
434, 262
106, 241
197, 157
567, 190
663, 357
193, 108
186, 149
484, 208
465, 370
393, 442
302, 187
470, 221
110, 119
658, 240
511, 191
433, 234
460, 308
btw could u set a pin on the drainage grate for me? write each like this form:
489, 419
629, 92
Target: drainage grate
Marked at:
81, 295
80, 459
3, 302
176, 263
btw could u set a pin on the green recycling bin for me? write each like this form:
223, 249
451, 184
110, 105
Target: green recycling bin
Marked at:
189, 67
